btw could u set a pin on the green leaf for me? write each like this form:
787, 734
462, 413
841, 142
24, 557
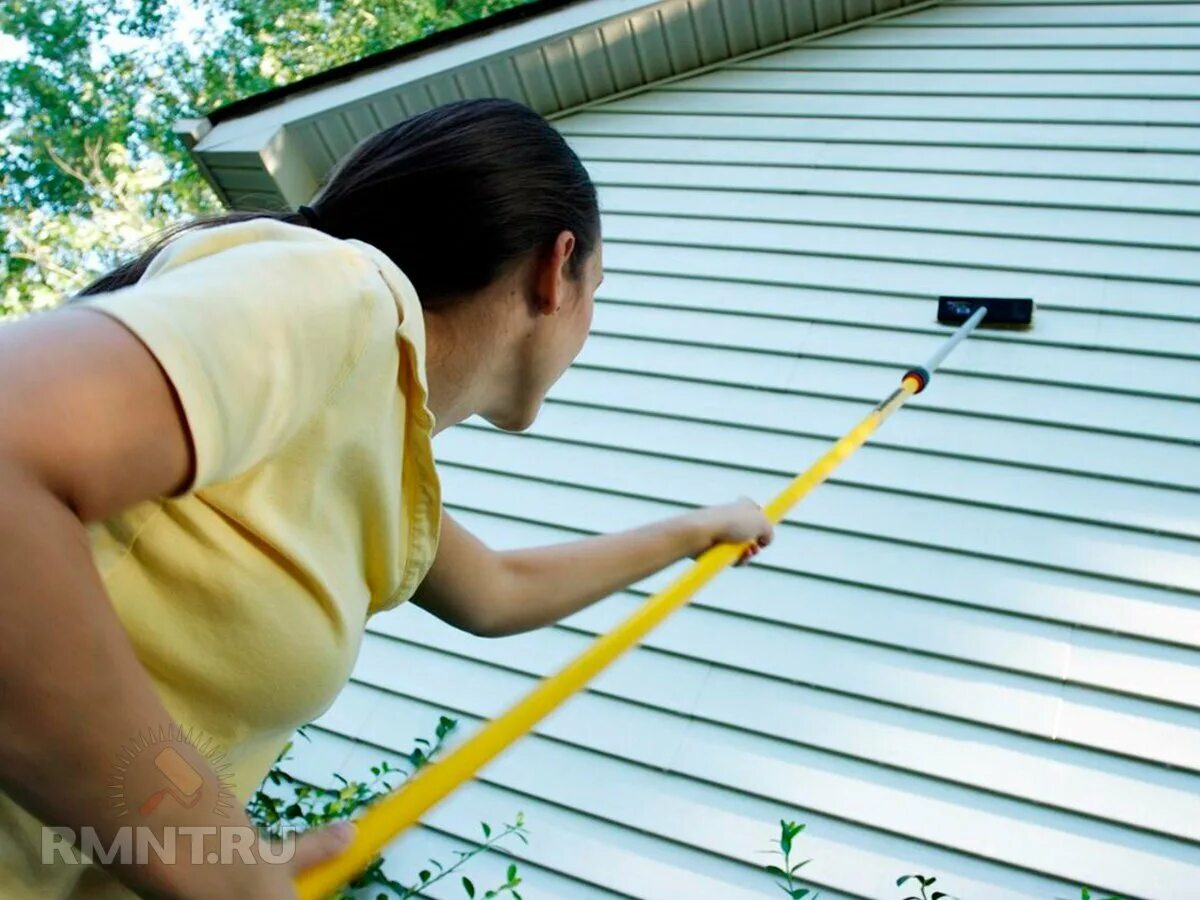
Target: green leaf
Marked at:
468, 887
903, 878
424, 874
512, 871
516, 895
777, 872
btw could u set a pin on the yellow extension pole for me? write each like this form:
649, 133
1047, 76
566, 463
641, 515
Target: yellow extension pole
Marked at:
390, 815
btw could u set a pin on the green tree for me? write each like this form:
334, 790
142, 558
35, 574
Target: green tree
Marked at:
89, 165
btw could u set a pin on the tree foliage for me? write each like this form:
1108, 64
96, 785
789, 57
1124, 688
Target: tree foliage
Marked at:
89, 165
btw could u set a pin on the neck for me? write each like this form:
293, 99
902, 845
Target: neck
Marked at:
464, 345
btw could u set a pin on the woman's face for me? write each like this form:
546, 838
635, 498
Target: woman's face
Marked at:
555, 342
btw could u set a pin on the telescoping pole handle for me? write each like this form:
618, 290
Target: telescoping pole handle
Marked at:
923, 373
390, 815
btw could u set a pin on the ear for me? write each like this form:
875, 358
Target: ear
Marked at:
552, 273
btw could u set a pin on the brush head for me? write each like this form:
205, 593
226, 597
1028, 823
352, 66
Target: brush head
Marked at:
1002, 312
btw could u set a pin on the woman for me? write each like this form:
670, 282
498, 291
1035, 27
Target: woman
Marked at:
216, 464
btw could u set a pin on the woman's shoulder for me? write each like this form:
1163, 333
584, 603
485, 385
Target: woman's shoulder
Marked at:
248, 239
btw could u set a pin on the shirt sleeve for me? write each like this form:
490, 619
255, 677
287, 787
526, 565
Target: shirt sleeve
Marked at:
254, 335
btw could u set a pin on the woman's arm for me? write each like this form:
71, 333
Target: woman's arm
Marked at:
494, 594
88, 425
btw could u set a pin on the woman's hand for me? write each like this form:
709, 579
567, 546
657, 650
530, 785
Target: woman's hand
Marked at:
737, 522
262, 876
312, 848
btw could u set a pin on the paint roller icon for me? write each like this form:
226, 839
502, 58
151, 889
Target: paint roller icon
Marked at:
183, 782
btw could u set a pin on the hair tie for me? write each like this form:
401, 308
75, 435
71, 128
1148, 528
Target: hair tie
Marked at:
310, 215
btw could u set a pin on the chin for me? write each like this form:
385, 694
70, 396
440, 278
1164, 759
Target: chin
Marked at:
517, 422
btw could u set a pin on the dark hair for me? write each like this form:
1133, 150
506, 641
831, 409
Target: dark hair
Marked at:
454, 196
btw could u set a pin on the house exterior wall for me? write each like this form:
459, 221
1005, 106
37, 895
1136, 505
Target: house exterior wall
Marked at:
975, 652
560, 59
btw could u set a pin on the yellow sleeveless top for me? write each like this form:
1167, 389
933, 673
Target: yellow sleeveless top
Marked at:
299, 362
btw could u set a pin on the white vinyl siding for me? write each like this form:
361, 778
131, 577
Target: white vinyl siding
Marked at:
973, 653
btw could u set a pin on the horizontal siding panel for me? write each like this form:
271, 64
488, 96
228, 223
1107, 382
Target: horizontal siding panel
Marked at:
856, 558
1160, 673
660, 854
1158, 561
896, 312
1046, 136
831, 409
557, 832
705, 752
1085, 56
419, 845
853, 87
1146, 168
695, 99
838, 722
1011, 543
606, 860
1038, 15
630, 247
1076, 36
1101, 231
1116, 371
1140, 425
681, 431
734, 819
980, 637
1106, 205
330, 749
975, 636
